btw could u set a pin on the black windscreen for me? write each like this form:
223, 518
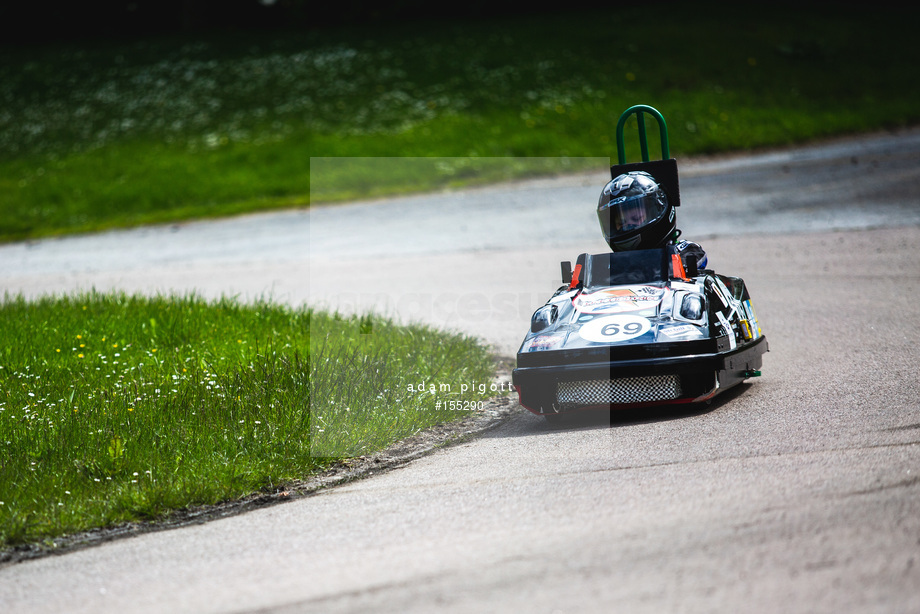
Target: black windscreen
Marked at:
635, 267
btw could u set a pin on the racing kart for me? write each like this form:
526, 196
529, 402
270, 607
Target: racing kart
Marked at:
638, 328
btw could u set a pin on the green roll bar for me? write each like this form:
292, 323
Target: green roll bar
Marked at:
639, 110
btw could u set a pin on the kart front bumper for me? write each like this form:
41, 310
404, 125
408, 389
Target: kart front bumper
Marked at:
574, 384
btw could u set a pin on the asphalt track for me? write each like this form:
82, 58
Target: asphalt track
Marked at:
800, 492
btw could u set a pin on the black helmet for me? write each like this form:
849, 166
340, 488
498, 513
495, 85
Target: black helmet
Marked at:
634, 213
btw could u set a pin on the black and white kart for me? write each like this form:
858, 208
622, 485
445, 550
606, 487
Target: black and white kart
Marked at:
638, 328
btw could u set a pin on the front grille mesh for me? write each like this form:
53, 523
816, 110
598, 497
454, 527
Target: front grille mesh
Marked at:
648, 389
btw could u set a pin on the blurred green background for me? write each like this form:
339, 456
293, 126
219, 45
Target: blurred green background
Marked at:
176, 110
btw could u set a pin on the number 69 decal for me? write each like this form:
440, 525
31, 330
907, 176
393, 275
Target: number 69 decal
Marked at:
611, 329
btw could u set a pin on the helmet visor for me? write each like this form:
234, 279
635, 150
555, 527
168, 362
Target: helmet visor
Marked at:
631, 213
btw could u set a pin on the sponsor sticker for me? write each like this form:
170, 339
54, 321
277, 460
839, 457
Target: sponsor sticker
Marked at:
619, 300
615, 328
677, 332
752, 318
545, 342
728, 330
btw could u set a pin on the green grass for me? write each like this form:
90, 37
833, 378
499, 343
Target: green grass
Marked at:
117, 134
118, 408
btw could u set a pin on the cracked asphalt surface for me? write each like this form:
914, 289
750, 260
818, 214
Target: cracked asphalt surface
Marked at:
798, 492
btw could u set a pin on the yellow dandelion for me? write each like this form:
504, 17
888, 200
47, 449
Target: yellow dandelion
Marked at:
153, 350
58, 350
80, 336
79, 355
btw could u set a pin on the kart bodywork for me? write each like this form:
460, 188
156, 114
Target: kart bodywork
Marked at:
634, 328
639, 327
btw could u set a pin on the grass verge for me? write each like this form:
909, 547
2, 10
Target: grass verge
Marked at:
117, 408
121, 133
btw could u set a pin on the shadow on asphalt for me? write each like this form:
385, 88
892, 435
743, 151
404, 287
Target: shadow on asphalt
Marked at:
529, 424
